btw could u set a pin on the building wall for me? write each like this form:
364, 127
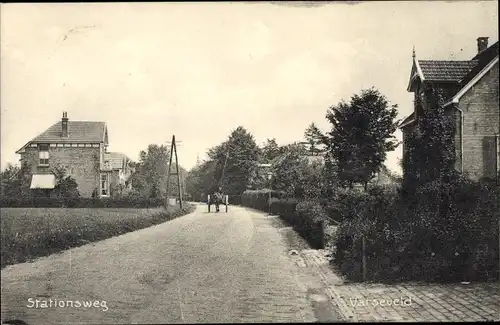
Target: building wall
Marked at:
481, 123
80, 163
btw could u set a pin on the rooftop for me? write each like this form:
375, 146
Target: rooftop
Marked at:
440, 70
78, 131
116, 159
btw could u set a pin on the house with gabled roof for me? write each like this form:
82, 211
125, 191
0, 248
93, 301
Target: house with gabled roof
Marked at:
121, 170
470, 89
80, 148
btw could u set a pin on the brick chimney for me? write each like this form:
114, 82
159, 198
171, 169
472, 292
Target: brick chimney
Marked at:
482, 44
64, 125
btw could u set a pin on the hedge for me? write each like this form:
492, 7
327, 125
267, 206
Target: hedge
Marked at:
310, 222
45, 202
443, 232
259, 199
306, 217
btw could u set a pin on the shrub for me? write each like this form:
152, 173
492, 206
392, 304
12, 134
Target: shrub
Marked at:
310, 220
365, 215
344, 203
259, 199
285, 208
444, 232
67, 188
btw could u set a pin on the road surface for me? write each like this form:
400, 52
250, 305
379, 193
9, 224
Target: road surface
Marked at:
200, 268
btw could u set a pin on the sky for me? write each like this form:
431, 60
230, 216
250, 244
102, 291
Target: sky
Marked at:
200, 70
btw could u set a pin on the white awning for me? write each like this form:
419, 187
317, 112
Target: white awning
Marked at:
43, 181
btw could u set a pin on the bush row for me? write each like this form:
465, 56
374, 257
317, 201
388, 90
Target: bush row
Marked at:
79, 202
441, 232
259, 199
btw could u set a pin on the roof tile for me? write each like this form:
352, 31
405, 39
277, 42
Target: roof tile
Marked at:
438, 70
78, 131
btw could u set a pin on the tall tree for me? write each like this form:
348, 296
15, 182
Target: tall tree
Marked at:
15, 181
235, 161
288, 170
270, 150
315, 139
362, 134
150, 176
200, 179
330, 172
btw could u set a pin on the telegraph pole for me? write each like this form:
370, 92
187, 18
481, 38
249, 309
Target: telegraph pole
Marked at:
173, 151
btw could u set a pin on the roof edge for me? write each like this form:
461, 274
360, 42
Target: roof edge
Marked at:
471, 83
405, 124
22, 148
416, 65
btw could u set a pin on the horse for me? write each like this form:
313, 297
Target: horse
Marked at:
216, 198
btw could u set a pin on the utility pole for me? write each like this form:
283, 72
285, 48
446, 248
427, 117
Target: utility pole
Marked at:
225, 163
173, 151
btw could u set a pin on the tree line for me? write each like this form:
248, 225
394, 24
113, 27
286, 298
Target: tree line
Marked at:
352, 152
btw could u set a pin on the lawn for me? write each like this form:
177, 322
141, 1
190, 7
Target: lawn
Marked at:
27, 233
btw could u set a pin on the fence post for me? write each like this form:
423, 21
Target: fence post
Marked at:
364, 257
323, 241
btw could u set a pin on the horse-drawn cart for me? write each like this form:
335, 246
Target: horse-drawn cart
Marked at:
217, 199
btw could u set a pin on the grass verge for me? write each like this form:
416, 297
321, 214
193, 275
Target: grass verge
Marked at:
28, 233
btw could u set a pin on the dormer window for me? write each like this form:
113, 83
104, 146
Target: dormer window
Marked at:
43, 154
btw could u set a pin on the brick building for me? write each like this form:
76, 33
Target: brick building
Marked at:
471, 94
79, 147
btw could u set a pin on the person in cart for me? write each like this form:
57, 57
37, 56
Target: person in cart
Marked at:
218, 198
